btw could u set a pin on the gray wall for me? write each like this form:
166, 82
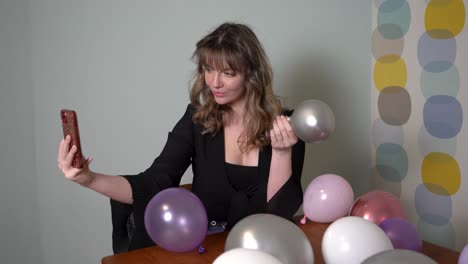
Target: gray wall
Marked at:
124, 66
19, 232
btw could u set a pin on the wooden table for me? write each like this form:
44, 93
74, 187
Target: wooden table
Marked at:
214, 245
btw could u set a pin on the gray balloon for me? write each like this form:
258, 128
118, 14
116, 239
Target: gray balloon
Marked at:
274, 235
313, 121
399, 256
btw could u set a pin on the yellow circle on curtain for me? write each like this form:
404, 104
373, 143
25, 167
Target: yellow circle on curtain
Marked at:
441, 173
444, 18
389, 70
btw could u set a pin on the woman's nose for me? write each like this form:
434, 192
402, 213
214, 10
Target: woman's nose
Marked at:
216, 81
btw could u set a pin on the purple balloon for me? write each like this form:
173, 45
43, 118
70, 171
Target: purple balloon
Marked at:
402, 234
463, 258
327, 198
176, 220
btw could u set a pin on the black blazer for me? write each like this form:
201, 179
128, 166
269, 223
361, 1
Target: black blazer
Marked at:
185, 146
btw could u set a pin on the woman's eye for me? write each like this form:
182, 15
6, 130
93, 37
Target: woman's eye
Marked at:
229, 74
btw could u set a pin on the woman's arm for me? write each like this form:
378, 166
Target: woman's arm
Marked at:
114, 187
165, 171
287, 200
284, 190
168, 168
282, 139
280, 170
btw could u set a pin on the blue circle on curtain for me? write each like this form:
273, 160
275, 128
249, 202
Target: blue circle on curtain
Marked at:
443, 116
396, 13
436, 55
391, 162
432, 208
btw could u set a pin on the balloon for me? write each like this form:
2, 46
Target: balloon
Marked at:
399, 256
352, 239
463, 258
402, 234
176, 220
246, 256
273, 235
377, 206
313, 121
327, 198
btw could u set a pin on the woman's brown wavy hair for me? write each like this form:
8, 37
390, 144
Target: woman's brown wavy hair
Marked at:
236, 46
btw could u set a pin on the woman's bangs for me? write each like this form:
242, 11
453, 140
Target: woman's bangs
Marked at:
221, 60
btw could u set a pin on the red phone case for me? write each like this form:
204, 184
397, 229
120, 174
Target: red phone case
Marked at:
70, 127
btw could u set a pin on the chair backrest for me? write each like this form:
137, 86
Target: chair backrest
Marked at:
187, 186
123, 224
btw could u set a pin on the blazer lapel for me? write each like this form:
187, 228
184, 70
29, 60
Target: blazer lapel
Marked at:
264, 160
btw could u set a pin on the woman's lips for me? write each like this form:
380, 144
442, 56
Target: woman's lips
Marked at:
218, 94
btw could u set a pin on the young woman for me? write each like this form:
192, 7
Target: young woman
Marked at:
245, 157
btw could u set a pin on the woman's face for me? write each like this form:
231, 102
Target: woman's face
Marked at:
226, 85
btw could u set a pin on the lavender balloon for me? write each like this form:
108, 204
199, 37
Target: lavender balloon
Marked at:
402, 234
176, 220
327, 198
463, 258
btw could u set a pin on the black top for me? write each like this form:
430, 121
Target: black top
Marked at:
185, 146
242, 177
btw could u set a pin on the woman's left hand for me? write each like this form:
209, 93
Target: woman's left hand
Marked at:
282, 135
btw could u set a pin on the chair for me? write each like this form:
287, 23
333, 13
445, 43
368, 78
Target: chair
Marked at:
123, 224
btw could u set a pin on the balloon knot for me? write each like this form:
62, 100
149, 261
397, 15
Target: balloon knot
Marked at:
304, 220
201, 249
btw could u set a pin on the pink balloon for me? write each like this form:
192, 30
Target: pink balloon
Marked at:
376, 206
176, 220
327, 198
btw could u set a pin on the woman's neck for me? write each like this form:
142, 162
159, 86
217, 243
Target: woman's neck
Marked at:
236, 116
234, 119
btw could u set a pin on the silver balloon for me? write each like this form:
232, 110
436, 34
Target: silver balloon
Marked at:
399, 256
273, 235
313, 121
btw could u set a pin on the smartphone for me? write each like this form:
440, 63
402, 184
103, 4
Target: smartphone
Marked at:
70, 127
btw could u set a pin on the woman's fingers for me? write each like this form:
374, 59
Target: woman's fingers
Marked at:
65, 159
282, 134
273, 137
71, 155
62, 152
282, 123
277, 130
289, 130
89, 160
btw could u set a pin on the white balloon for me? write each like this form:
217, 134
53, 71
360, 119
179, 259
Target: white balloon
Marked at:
353, 239
246, 256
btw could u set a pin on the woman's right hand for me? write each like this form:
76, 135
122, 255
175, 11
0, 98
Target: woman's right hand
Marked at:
83, 176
